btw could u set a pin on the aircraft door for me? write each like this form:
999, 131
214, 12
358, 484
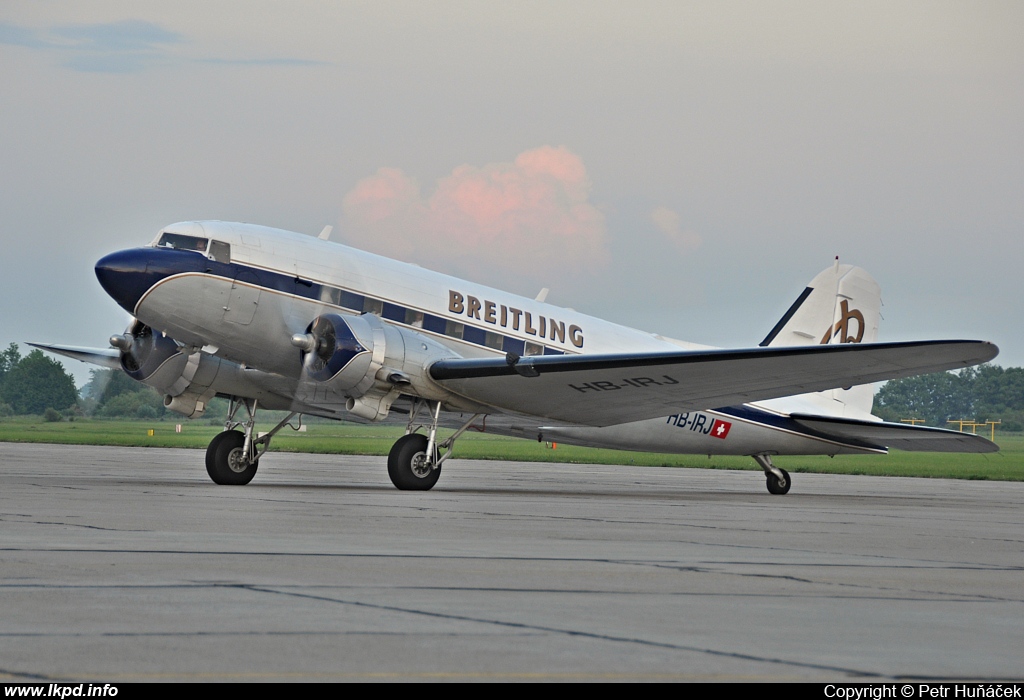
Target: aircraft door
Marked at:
243, 298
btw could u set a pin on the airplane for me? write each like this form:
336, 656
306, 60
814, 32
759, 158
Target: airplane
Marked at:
280, 320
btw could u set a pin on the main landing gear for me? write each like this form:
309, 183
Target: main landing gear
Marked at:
778, 479
414, 463
233, 456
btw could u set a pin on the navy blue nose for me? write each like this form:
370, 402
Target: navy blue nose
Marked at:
123, 275
128, 274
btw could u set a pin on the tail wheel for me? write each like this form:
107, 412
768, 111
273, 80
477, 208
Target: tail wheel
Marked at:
408, 465
779, 487
224, 461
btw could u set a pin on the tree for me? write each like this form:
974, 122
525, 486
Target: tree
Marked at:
105, 384
985, 392
997, 391
36, 383
144, 403
935, 397
9, 359
113, 394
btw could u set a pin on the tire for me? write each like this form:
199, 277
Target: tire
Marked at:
224, 451
777, 489
406, 464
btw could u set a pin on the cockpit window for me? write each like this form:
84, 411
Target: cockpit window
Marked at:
180, 242
220, 251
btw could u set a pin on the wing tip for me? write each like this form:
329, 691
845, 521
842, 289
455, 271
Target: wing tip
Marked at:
103, 357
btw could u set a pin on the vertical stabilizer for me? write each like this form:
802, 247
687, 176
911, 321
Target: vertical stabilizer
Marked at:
841, 305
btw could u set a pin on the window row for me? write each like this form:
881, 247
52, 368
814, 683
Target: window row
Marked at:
434, 324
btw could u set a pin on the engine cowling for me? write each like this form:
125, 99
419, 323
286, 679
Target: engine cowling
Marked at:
188, 380
368, 363
149, 356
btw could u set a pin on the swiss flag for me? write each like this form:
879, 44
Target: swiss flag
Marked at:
720, 428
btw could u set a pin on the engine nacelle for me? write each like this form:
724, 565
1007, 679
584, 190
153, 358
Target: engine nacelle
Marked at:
369, 363
188, 380
149, 356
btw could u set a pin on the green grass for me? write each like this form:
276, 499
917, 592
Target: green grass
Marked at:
339, 438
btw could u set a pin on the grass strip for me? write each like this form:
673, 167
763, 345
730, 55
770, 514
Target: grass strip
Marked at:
341, 438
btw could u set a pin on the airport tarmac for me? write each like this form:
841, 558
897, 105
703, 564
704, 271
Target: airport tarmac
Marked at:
128, 564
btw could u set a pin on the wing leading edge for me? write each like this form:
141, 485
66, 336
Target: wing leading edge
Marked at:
602, 390
104, 357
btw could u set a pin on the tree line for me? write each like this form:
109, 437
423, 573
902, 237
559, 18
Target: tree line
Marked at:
35, 384
982, 393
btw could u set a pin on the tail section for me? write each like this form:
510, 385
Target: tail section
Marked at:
842, 304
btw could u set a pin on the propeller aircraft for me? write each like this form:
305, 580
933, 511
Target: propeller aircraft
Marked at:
279, 320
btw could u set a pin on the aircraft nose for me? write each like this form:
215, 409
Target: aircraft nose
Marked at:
124, 276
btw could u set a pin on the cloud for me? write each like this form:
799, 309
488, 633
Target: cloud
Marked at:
668, 222
262, 62
130, 35
530, 218
20, 36
128, 46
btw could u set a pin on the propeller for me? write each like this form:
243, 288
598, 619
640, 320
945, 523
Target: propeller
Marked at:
142, 350
327, 346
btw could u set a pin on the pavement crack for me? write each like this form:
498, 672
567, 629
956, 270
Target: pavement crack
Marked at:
523, 626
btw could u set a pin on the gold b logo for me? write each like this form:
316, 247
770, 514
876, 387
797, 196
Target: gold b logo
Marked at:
842, 327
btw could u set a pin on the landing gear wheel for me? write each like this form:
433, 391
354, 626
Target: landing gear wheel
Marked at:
777, 487
224, 460
408, 466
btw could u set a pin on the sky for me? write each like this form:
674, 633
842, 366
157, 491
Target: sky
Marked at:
680, 167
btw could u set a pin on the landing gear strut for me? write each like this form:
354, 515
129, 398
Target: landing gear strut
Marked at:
778, 480
414, 463
233, 456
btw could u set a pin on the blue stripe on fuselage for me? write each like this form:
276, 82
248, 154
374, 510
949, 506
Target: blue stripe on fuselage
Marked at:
128, 275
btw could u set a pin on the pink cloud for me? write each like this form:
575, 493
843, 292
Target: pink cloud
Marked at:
529, 218
669, 223
378, 197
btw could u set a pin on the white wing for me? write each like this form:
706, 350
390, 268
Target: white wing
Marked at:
604, 390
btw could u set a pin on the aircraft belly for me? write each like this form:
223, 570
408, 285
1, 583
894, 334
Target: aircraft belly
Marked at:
699, 432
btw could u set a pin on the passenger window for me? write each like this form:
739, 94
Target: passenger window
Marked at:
494, 340
453, 329
373, 306
330, 295
414, 318
534, 349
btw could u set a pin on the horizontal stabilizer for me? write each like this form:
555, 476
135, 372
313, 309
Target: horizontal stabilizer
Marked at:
104, 357
912, 438
604, 390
